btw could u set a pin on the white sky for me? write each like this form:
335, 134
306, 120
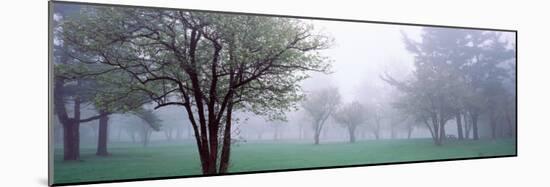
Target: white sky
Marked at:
361, 52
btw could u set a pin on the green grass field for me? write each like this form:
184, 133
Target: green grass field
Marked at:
162, 160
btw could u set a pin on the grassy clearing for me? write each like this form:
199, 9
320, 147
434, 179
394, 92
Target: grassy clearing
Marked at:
161, 160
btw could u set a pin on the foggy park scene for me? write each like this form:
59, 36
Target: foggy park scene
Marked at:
146, 92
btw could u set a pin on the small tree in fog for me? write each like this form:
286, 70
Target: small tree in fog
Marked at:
320, 105
351, 116
153, 122
377, 116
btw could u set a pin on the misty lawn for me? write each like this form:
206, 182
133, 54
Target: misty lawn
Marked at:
130, 161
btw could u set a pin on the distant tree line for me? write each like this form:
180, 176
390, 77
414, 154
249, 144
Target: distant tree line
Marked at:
460, 74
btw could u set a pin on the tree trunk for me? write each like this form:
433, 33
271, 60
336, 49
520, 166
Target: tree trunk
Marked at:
317, 131
511, 129
492, 123
70, 141
146, 135
118, 134
377, 135
71, 136
226, 147
467, 126
103, 134
351, 131
459, 126
133, 136
409, 132
436, 130
377, 128
474, 126
168, 133
316, 137
443, 134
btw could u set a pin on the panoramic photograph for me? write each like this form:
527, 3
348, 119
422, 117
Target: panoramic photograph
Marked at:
144, 93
